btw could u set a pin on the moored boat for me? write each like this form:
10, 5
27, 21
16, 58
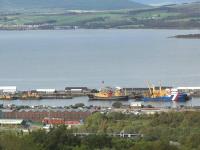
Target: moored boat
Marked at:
182, 97
165, 95
113, 98
110, 94
8, 97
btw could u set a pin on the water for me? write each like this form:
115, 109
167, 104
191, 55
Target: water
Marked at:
86, 102
127, 58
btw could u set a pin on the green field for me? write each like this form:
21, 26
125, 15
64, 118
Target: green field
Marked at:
176, 17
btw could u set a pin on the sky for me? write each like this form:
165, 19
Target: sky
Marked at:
162, 2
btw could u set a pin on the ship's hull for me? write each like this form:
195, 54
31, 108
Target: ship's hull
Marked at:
11, 98
30, 98
182, 98
176, 98
112, 98
157, 99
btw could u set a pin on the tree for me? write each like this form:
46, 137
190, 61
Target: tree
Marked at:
117, 104
78, 105
97, 141
61, 138
192, 141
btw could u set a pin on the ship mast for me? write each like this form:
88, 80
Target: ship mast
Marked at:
160, 89
149, 88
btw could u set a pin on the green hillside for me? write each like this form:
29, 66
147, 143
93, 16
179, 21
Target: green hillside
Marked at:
184, 16
70, 4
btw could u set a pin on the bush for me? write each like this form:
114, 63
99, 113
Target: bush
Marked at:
117, 104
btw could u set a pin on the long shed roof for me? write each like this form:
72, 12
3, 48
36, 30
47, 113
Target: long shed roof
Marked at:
11, 121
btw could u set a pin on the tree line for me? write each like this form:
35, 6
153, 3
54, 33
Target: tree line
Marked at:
173, 130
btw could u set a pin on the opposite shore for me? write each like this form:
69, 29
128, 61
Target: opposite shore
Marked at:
52, 27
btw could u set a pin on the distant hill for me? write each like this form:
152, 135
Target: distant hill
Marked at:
176, 16
163, 2
70, 4
188, 9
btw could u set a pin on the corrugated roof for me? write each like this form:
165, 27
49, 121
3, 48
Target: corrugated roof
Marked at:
11, 121
188, 88
8, 87
6, 110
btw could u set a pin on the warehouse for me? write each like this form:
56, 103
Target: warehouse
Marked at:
46, 90
76, 89
13, 123
8, 89
189, 89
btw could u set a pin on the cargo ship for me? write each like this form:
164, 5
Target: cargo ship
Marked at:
166, 95
108, 93
179, 97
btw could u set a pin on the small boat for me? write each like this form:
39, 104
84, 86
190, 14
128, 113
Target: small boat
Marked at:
30, 96
8, 97
110, 94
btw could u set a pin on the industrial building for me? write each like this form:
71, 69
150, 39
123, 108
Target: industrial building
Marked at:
8, 89
193, 91
46, 90
11, 121
76, 89
188, 89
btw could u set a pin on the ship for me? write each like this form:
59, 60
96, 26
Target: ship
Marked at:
117, 94
8, 97
30, 95
165, 95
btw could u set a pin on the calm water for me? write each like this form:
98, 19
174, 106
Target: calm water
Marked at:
127, 58
193, 102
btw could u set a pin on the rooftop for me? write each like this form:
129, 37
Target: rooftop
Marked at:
11, 121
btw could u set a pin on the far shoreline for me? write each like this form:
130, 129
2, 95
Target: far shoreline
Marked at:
71, 29
187, 36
